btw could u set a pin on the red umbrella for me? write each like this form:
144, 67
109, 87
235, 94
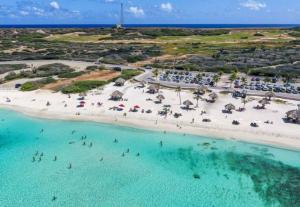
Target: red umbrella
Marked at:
82, 102
122, 105
136, 106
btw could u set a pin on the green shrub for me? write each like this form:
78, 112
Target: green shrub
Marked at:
71, 75
34, 85
82, 86
128, 74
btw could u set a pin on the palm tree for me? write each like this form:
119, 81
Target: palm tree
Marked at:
178, 90
244, 101
197, 97
232, 77
156, 73
244, 80
216, 79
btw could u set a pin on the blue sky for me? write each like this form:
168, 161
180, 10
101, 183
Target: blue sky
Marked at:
150, 11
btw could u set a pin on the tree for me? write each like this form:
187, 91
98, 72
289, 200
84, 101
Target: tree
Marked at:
232, 77
216, 79
178, 90
244, 101
156, 73
197, 97
267, 79
244, 80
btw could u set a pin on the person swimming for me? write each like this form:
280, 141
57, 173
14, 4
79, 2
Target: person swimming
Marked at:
115, 141
33, 159
127, 151
70, 166
91, 144
54, 198
161, 143
138, 154
101, 159
55, 158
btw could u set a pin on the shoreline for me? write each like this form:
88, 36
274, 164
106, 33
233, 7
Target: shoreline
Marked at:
239, 135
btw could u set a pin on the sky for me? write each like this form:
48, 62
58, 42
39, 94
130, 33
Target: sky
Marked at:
150, 11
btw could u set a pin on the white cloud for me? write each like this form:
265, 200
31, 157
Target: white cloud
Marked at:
136, 11
54, 5
254, 5
24, 13
166, 7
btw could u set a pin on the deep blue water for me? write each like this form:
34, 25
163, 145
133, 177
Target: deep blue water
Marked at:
200, 26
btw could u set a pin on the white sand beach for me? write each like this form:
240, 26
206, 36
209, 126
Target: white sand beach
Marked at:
97, 107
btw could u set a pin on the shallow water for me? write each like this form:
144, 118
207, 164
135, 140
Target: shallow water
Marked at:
183, 171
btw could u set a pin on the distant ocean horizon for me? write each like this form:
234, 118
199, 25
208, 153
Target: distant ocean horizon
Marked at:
194, 26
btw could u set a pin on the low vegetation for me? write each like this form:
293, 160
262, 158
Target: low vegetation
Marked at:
82, 86
34, 85
43, 71
71, 75
11, 67
128, 74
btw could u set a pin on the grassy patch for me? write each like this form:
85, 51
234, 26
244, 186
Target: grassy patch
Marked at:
34, 85
75, 37
82, 86
128, 74
11, 67
71, 75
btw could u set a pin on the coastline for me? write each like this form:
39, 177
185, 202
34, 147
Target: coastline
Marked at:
239, 135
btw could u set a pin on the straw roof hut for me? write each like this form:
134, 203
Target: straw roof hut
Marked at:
116, 95
187, 104
229, 107
160, 97
200, 90
294, 115
153, 89
213, 96
83, 94
120, 82
142, 84
264, 102
269, 95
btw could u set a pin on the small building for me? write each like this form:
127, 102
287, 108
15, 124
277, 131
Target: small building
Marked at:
116, 96
120, 82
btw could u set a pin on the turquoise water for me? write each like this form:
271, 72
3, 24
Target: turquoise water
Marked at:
183, 171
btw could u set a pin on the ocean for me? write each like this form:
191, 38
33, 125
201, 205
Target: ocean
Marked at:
70, 163
194, 26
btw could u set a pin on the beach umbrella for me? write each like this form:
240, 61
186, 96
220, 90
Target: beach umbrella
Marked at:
160, 97
200, 90
264, 102
229, 107
82, 102
136, 106
188, 103
82, 94
120, 82
270, 94
116, 95
213, 96
294, 115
